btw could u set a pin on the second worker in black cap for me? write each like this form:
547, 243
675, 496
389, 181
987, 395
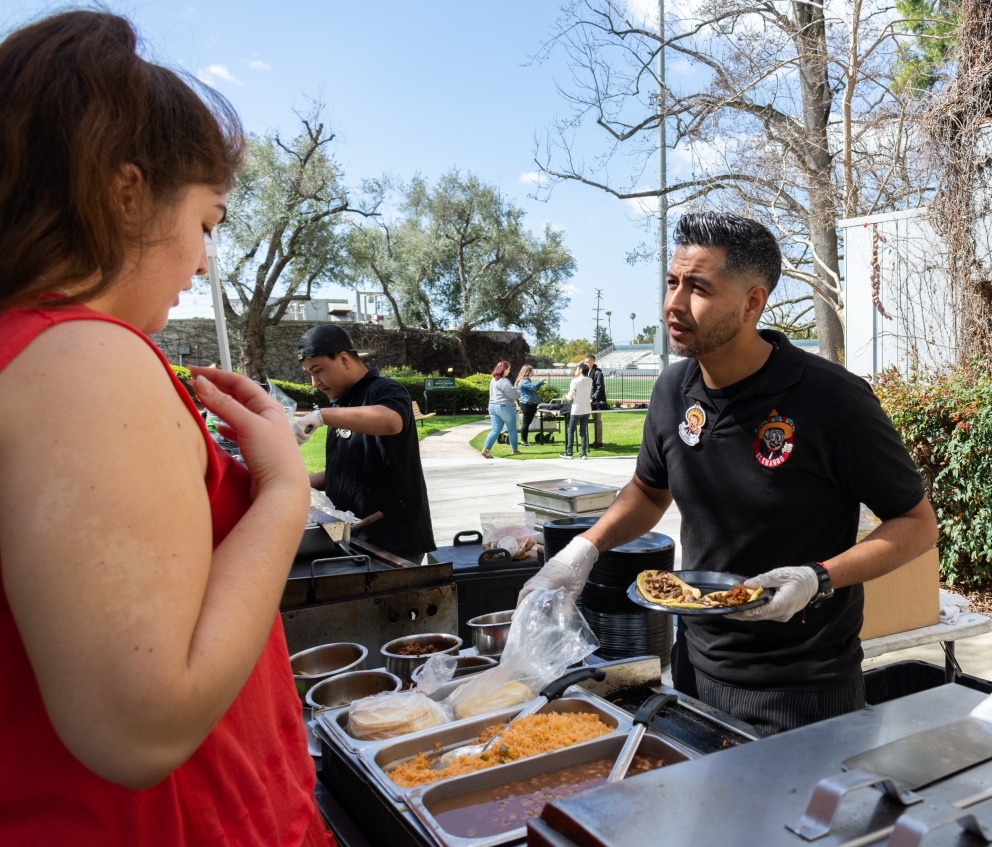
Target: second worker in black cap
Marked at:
373, 455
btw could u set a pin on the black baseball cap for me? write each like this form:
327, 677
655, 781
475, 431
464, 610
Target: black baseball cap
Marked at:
325, 340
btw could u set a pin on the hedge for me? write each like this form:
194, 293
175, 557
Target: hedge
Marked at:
945, 420
471, 393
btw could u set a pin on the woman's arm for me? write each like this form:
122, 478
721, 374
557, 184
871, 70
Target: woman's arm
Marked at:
139, 633
508, 390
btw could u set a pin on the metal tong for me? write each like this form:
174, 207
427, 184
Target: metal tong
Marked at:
645, 714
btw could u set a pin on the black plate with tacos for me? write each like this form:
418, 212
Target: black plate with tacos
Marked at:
695, 592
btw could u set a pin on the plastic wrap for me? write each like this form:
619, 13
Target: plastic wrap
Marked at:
547, 634
513, 531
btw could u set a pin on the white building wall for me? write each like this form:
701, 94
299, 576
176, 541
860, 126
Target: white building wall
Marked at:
913, 322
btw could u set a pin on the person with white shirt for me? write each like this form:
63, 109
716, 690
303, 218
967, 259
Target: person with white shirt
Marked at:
580, 395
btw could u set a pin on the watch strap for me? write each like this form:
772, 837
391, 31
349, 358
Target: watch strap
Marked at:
826, 587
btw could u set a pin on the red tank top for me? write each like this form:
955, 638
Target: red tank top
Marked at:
250, 782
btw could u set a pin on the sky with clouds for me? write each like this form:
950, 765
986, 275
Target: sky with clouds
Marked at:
411, 86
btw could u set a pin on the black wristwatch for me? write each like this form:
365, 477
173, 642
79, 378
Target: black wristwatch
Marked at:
826, 589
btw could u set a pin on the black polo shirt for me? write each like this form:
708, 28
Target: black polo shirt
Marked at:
775, 479
369, 473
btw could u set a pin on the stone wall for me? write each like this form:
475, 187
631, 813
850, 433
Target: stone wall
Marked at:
193, 341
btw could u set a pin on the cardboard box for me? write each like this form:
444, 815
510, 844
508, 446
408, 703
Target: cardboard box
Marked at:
907, 598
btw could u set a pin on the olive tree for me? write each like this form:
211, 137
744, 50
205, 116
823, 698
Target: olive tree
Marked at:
456, 257
284, 235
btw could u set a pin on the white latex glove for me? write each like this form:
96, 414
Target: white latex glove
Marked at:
306, 425
795, 587
567, 569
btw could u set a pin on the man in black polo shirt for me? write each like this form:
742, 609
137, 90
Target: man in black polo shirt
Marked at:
373, 456
768, 452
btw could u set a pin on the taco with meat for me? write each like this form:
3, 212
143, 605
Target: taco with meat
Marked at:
666, 589
736, 595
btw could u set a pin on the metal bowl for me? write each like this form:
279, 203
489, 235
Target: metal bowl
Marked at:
464, 666
341, 689
318, 663
402, 664
489, 632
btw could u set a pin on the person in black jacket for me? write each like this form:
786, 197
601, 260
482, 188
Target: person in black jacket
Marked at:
599, 401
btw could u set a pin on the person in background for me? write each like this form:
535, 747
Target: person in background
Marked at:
769, 452
528, 399
373, 453
599, 401
580, 396
502, 409
147, 694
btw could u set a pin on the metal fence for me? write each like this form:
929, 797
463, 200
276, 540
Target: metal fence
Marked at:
624, 387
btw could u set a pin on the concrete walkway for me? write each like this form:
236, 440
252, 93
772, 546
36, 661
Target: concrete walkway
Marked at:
462, 485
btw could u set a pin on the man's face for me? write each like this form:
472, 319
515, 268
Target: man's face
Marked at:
590, 362
705, 308
327, 374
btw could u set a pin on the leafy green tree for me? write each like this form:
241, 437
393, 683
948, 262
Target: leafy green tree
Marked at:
646, 335
458, 258
603, 339
283, 237
557, 349
924, 60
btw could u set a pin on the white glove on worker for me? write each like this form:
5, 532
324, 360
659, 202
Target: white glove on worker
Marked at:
795, 587
567, 569
306, 426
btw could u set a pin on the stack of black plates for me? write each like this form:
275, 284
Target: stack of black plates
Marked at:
623, 628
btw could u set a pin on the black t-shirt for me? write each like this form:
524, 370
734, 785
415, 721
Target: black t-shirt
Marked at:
367, 473
776, 479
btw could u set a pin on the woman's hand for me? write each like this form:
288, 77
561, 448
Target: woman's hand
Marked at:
256, 422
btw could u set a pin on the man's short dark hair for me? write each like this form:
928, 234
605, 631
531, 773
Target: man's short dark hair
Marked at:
751, 247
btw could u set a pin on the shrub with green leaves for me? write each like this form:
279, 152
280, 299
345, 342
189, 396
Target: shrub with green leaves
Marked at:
468, 395
945, 420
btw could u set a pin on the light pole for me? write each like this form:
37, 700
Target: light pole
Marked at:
220, 319
661, 337
633, 332
609, 325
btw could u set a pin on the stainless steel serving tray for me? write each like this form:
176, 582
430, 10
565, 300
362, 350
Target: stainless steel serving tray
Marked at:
424, 800
383, 755
571, 496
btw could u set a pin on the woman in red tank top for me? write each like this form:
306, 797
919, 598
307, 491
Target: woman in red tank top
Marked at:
147, 693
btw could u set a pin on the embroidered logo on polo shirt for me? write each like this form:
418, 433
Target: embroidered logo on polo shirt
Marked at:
773, 439
343, 433
692, 427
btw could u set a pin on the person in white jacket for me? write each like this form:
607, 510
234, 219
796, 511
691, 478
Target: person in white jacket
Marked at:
580, 395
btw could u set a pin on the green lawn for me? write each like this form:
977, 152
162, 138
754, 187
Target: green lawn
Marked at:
622, 434
313, 450
630, 388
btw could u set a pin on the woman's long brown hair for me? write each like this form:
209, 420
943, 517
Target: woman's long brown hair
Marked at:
78, 105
